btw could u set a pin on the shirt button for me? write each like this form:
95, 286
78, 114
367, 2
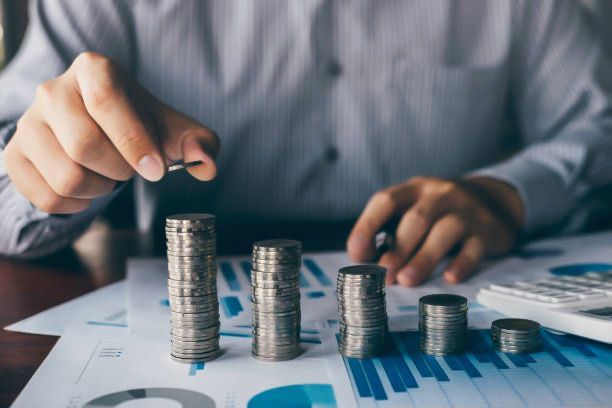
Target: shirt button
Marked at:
334, 69
332, 154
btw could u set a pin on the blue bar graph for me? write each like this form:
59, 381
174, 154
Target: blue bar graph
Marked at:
571, 341
516, 359
246, 268
392, 374
373, 379
435, 368
234, 334
363, 388
478, 347
303, 281
467, 365
195, 367
410, 342
483, 338
556, 354
528, 358
400, 364
110, 324
453, 363
230, 276
318, 273
563, 369
231, 306
315, 294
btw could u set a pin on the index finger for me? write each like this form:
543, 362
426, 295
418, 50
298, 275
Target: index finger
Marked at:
382, 206
108, 103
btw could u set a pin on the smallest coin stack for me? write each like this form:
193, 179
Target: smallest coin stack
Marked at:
192, 287
517, 336
443, 324
363, 311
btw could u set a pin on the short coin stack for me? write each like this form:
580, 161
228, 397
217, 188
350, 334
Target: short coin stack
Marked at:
275, 278
518, 336
443, 324
192, 287
363, 311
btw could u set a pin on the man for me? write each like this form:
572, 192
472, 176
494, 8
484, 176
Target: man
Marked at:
319, 105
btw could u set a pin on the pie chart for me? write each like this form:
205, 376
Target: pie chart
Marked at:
580, 269
296, 396
187, 398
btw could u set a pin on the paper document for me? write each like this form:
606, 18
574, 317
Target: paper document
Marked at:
94, 312
85, 372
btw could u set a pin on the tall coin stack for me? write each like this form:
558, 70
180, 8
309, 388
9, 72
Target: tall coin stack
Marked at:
363, 311
275, 278
517, 336
192, 287
443, 324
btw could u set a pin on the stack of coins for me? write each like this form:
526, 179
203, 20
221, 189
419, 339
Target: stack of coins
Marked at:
518, 336
363, 312
443, 324
275, 278
192, 287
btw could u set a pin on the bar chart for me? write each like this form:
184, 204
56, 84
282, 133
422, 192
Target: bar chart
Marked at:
567, 371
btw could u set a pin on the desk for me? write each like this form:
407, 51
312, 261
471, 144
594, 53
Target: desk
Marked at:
27, 288
98, 258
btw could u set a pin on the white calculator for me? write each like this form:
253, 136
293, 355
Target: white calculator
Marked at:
580, 305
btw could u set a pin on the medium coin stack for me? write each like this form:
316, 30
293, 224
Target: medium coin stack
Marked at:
275, 278
363, 311
443, 324
518, 336
192, 287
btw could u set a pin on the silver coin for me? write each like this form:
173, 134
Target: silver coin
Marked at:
515, 325
191, 218
362, 270
196, 360
274, 245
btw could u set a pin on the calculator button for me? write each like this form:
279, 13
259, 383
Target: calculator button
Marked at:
501, 287
563, 299
577, 291
548, 295
591, 295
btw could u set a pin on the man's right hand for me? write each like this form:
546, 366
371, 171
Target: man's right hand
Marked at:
93, 126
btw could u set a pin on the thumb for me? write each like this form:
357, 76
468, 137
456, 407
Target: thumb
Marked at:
185, 138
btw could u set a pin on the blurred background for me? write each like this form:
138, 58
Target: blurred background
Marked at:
14, 20
121, 213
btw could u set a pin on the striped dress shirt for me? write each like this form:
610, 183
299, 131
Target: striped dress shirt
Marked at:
320, 103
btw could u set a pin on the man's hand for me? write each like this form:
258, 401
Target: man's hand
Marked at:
482, 216
93, 126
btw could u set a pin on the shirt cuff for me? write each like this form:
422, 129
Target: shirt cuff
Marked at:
545, 198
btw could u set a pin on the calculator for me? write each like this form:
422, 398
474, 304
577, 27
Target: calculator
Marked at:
580, 305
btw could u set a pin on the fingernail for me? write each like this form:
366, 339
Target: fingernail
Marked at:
451, 275
150, 168
358, 243
407, 276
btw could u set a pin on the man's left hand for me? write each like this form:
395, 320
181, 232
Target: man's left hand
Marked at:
481, 216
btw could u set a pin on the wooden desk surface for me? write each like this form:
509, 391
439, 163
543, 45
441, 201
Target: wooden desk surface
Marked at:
30, 287
98, 258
